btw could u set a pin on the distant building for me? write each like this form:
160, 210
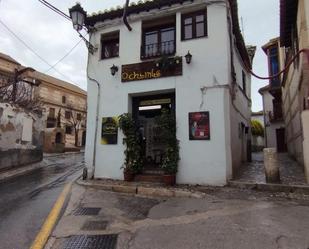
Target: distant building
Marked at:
272, 99
65, 113
258, 141
150, 68
63, 107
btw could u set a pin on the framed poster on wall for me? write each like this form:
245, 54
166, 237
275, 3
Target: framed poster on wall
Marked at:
109, 134
199, 126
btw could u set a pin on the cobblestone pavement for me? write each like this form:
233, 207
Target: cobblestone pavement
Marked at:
290, 172
224, 218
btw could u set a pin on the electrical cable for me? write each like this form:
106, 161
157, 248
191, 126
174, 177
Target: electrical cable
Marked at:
33, 51
53, 8
62, 58
306, 51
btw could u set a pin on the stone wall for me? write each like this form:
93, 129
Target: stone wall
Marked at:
21, 136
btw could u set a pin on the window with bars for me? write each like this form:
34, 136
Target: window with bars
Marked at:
159, 41
194, 25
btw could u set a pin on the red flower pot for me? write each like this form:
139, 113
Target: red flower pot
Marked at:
169, 180
128, 176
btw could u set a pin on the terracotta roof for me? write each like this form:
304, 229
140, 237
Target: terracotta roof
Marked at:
288, 16
157, 4
8, 58
57, 82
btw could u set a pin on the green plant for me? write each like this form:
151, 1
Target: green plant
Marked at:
167, 123
257, 128
133, 152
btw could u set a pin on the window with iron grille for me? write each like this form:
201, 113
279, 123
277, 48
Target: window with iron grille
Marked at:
110, 45
194, 25
63, 99
158, 37
68, 129
79, 116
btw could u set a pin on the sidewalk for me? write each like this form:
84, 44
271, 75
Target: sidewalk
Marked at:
221, 218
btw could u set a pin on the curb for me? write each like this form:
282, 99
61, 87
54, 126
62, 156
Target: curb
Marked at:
144, 190
272, 187
51, 220
62, 154
7, 175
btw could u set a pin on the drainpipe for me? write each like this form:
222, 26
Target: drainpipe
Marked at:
96, 118
125, 13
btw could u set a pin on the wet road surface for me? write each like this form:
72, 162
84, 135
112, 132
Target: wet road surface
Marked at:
26, 201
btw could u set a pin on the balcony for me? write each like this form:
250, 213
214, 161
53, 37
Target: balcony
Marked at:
154, 50
275, 116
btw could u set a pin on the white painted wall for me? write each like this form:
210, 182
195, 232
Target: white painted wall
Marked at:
202, 162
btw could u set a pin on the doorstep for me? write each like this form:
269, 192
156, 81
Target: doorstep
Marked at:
153, 189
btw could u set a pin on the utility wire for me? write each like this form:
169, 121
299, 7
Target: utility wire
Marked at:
34, 52
53, 8
62, 58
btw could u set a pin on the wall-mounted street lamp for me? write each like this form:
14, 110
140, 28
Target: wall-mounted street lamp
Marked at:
114, 70
78, 16
188, 57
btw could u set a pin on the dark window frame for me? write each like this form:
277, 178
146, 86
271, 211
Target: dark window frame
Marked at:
68, 129
193, 15
64, 99
78, 116
274, 81
52, 112
112, 41
159, 29
68, 114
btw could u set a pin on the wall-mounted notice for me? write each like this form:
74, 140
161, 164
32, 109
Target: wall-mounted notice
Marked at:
199, 126
109, 132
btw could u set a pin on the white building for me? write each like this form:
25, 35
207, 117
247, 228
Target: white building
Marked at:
272, 99
216, 81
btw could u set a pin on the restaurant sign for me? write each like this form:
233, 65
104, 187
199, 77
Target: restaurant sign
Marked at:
109, 133
152, 69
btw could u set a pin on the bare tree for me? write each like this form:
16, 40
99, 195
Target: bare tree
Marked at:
18, 90
75, 119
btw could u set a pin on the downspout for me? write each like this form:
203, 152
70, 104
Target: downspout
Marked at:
125, 13
96, 118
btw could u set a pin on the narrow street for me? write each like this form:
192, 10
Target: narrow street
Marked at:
27, 200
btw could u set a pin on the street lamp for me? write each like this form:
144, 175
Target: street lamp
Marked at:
114, 70
188, 57
78, 16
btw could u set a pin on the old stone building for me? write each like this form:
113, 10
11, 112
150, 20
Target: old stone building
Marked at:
65, 113
63, 106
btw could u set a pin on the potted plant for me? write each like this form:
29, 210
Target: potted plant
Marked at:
133, 152
171, 157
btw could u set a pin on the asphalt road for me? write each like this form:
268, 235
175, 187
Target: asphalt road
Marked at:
26, 201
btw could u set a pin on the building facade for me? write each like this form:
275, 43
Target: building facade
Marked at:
294, 21
65, 113
150, 72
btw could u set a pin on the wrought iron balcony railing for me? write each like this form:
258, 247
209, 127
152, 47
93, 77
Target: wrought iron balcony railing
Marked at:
158, 49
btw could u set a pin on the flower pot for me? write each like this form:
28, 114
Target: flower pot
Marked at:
128, 176
169, 180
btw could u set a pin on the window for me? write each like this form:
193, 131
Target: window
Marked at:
244, 82
274, 65
67, 114
68, 129
194, 25
79, 116
63, 99
158, 41
110, 45
51, 113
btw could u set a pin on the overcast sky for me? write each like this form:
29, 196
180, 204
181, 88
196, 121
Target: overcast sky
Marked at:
51, 36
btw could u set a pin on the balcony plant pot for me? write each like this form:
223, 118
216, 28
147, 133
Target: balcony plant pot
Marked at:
169, 179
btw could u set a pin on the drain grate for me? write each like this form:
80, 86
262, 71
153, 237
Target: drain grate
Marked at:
91, 242
87, 211
94, 225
